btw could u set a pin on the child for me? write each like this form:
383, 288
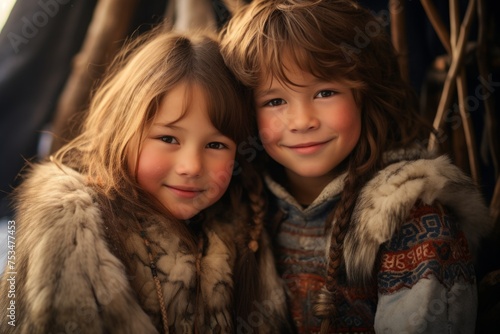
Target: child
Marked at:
123, 230
345, 175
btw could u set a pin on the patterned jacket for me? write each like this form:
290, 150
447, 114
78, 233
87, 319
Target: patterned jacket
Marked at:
408, 254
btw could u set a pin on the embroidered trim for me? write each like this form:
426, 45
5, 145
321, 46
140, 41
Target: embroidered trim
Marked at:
428, 245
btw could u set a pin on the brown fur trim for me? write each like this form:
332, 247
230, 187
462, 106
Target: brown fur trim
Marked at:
387, 199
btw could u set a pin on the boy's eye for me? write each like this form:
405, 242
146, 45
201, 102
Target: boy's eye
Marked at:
216, 146
169, 140
274, 102
326, 93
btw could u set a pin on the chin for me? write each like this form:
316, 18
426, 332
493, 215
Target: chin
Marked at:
183, 213
184, 216
311, 172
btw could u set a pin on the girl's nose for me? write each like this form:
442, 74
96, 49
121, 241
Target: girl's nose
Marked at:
190, 163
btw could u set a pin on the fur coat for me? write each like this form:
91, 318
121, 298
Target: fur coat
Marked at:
65, 277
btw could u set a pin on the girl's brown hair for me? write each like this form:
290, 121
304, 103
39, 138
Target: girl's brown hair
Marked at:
123, 107
125, 104
333, 40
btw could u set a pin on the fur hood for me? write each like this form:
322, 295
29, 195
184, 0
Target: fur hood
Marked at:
68, 278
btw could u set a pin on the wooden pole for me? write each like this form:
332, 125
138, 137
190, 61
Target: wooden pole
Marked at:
109, 27
399, 36
449, 83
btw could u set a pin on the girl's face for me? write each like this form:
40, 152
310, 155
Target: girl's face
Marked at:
185, 162
309, 129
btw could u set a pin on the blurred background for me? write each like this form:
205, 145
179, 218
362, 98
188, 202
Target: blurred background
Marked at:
52, 52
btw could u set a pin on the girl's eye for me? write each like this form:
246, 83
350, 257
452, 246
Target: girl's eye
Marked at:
274, 103
169, 140
216, 146
326, 93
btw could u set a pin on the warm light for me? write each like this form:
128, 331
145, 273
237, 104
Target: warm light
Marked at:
5, 8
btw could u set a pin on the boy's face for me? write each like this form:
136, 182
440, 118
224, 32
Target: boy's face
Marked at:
310, 128
185, 162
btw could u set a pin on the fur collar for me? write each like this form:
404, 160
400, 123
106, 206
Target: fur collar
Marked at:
388, 198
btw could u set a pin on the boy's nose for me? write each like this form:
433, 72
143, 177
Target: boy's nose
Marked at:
301, 119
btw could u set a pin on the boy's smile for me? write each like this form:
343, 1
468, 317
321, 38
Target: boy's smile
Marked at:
308, 147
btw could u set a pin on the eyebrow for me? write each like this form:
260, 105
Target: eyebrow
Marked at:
277, 90
175, 127
260, 93
168, 125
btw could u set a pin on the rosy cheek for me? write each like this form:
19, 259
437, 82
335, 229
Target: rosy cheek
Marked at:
270, 128
348, 119
218, 179
150, 169
221, 175
349, 123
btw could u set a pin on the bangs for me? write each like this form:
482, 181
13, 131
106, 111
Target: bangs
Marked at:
296, 38
226, 110
224, 103
281, 56
199, 62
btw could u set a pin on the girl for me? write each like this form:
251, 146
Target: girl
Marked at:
371, 232
129, 228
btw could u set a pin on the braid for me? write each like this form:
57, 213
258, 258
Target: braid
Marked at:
257, 206
250, 222
341, 216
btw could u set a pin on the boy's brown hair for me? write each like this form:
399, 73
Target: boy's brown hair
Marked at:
335, 40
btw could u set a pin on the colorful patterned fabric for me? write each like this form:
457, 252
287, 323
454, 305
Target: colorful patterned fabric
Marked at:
301, 260
302, 264
427, 246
